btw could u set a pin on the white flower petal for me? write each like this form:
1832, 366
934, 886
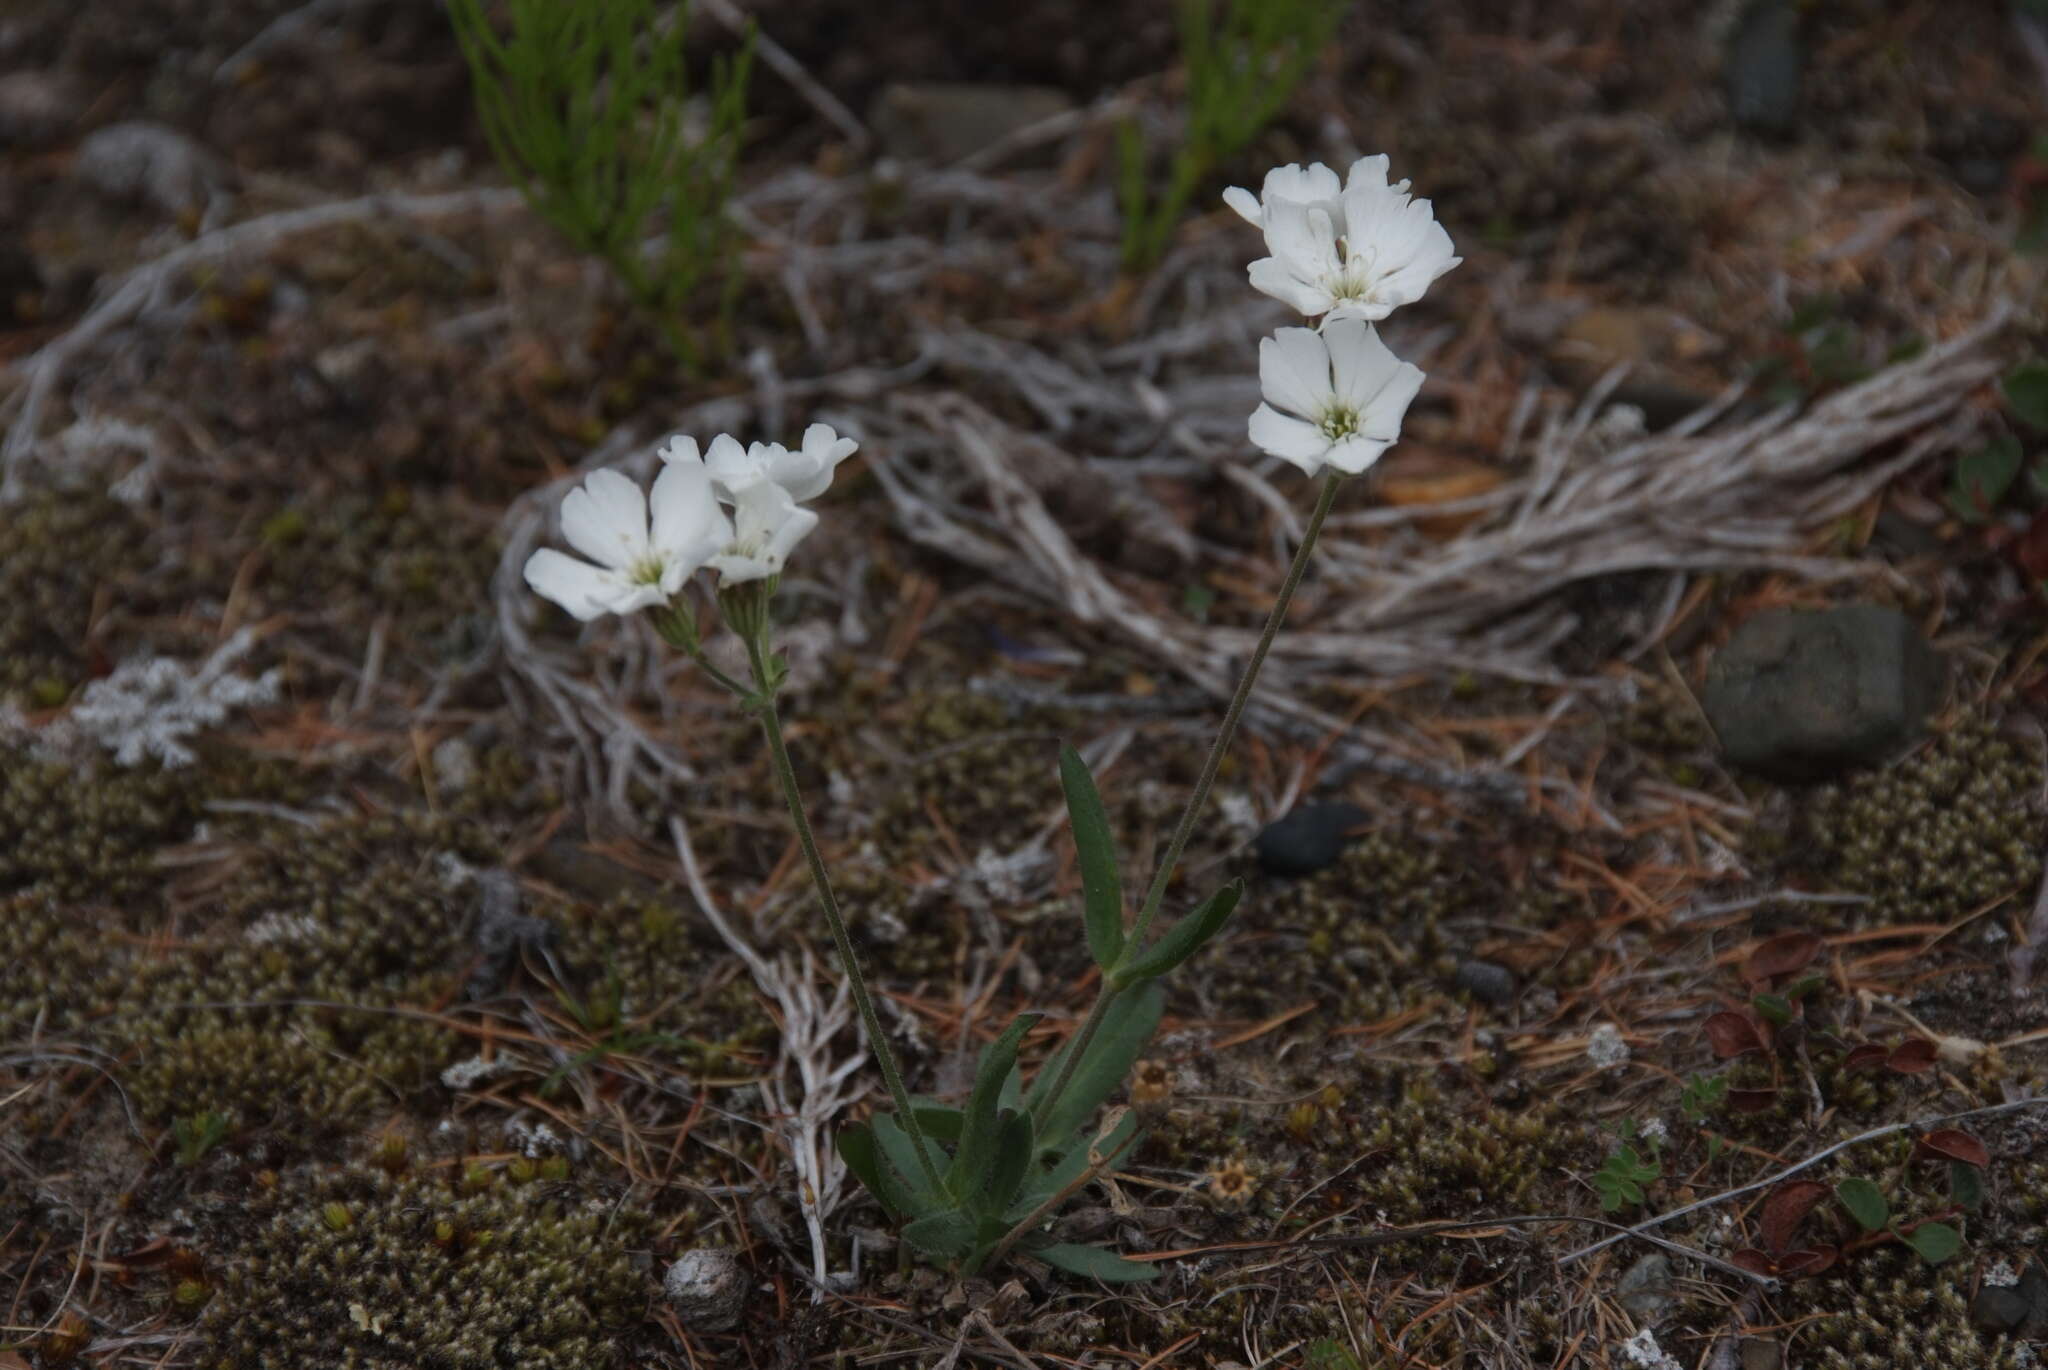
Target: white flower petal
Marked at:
767, 524
1270, 276
1359, 362
606, 519
1246, 204
1294, 372
1369, 311
1303, 185
728, 462
681, 447
688, 524
1354, 454
1303, 238
1367, 172
577, 586
1382, 416
1290, 439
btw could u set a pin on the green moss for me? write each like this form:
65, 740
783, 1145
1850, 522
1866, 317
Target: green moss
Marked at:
87, 833
425, 557
1887, 1308
1360, 937
300, 1000
1934, 837
364, 1269
69, 555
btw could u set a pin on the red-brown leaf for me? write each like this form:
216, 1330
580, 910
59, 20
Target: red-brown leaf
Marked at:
1786, 954
1955, 1145
1752, 1100
1869, 1056
1810, 1261
1786, 1208
1754, 1261
1913, 1056
1732, 1034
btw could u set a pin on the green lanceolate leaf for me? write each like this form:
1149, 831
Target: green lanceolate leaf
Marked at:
1185, 939
1126, 1027
1069, 1166
944, 1236
1107, 1266
900, 1152
1865, 1201
978, 1133
857, 1148
1008, 1165
940, 1122
1102, 892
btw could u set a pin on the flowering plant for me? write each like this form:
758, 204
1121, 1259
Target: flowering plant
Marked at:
975, 1183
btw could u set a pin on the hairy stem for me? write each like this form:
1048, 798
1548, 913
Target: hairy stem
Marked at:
892, 1074
1134, 944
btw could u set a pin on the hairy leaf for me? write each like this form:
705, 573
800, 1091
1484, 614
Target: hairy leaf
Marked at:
1106, 1266
978, 1132
1102, 892
1184, 939
1128, 1025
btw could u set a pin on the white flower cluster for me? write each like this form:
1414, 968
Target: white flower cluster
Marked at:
642, 547
1349, 255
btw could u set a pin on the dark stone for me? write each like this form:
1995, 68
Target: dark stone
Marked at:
1308, 839
1998, 1308
1485, 981
1799, 695
1761, 1353
503, 935
2033, 1288
1760, 71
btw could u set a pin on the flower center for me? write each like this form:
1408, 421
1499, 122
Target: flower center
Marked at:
1358, 277
1339, 423
647, 571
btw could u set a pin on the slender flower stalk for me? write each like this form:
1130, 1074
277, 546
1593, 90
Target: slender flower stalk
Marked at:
785, 774
1134, 943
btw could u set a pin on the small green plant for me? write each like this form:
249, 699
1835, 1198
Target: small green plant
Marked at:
1018, 1154
1242, 66
198, 1134
584, 106
1620, 1179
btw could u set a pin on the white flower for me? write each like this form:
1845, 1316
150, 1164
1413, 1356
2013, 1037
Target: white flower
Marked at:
768, 522
1361, 252
638, 565
805, 473
1334, 398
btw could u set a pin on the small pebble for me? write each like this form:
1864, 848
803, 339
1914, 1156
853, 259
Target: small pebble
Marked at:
707, 1288
1485, 981
1308, 839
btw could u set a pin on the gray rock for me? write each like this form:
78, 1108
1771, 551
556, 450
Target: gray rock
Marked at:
1307, 839
1998, 1308
503, 934
151, 163
1804, 695
1645, 1289
1761, 69
944, 121
1485, 981
707, 1288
